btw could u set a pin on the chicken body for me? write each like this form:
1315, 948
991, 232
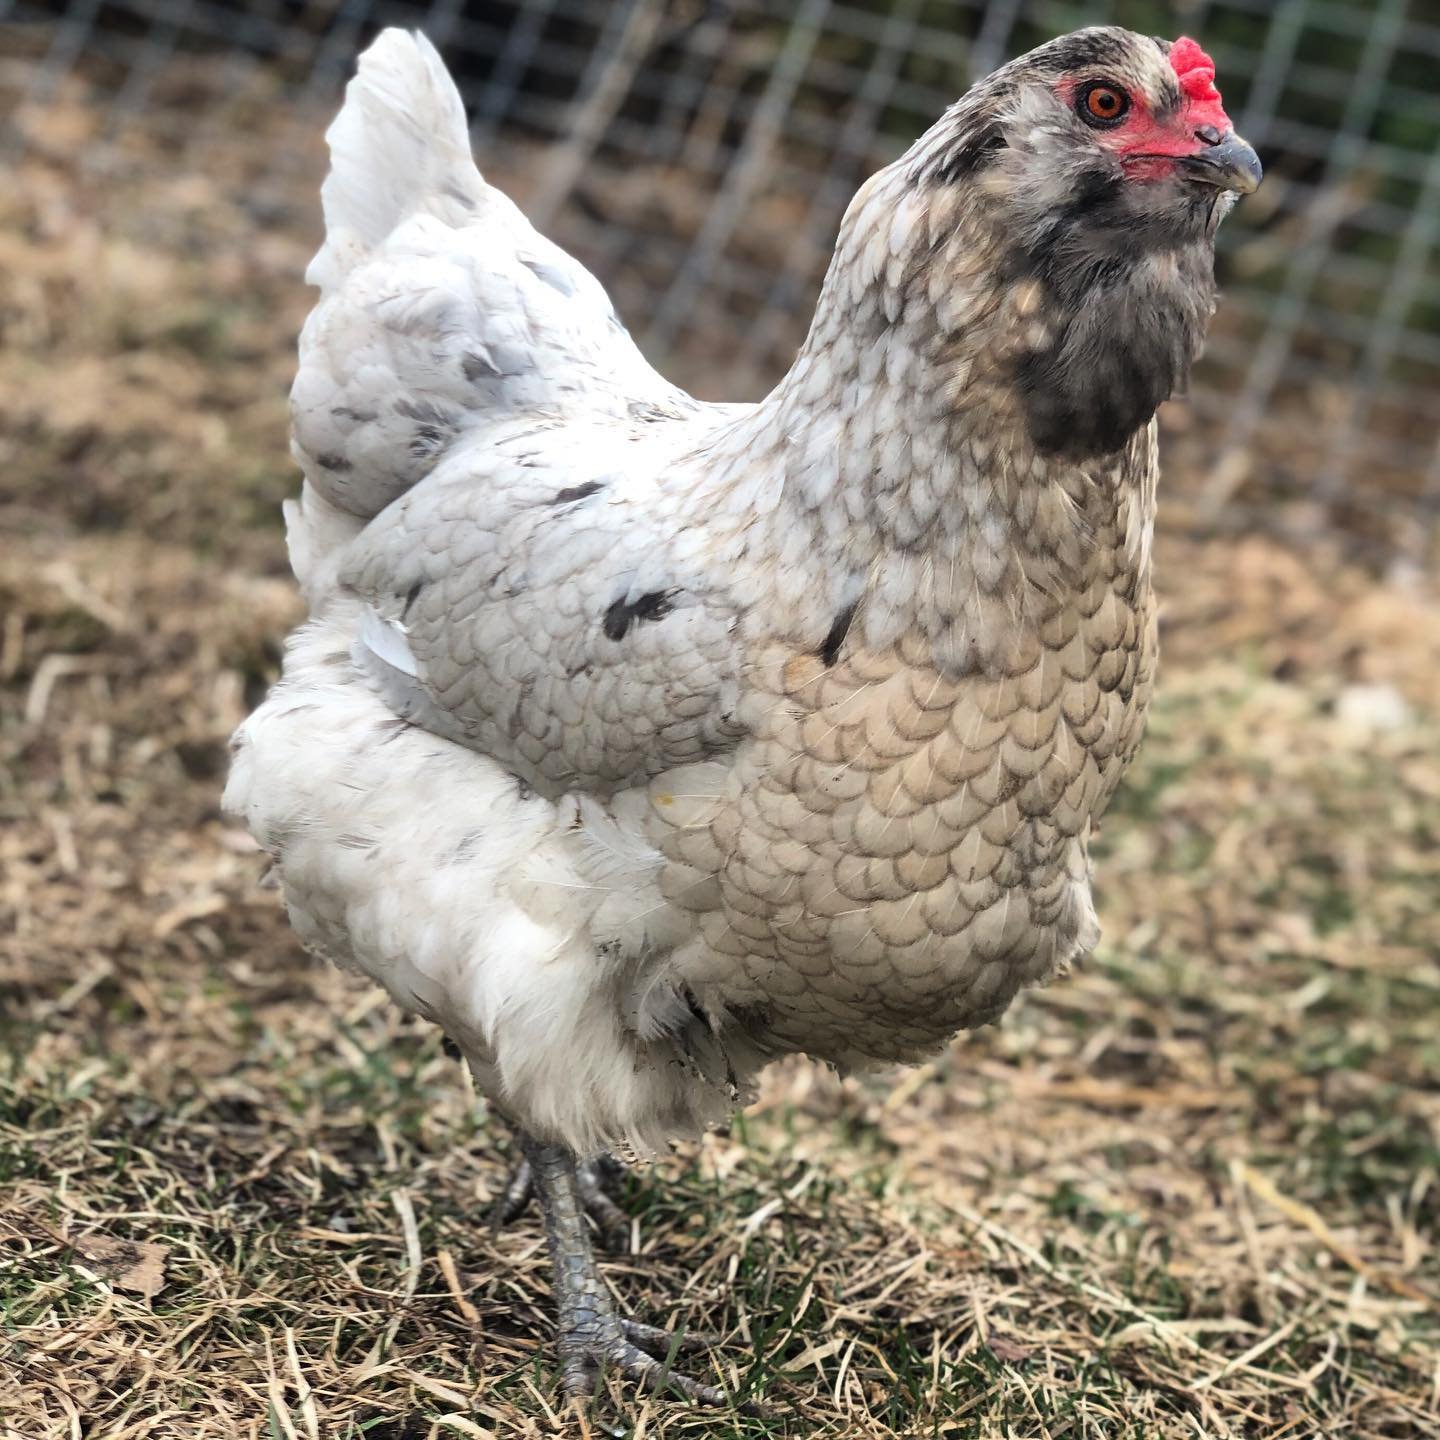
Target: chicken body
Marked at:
638, 741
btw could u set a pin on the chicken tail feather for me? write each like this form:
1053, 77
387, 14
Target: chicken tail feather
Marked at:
444, 320
398, 147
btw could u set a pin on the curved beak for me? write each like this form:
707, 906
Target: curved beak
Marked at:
1228, 165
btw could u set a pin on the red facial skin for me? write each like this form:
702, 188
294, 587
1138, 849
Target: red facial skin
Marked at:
1147, 146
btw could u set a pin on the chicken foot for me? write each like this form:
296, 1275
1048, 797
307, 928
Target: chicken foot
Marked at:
591, 1334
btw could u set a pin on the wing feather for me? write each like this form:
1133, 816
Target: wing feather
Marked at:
575, 641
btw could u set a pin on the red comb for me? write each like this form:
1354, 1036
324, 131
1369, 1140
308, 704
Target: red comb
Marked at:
1195, 69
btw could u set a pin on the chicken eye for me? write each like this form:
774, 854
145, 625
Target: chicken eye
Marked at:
1103, 104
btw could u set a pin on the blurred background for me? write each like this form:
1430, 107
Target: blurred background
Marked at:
1193, 1189
698, 155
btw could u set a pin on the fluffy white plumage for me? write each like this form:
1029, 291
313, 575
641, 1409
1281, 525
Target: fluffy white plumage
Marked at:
447, 338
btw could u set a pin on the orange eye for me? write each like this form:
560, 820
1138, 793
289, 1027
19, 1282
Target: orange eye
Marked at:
1103, 104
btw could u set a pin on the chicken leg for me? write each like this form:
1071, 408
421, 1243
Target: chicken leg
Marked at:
597, 1178
591, 1334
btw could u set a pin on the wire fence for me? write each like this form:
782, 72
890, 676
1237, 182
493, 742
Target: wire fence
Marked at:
697, 154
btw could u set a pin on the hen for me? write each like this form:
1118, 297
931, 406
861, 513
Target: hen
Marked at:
637, 741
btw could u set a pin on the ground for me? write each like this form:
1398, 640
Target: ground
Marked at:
1191, 1190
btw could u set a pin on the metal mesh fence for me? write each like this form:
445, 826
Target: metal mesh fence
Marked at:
697, 154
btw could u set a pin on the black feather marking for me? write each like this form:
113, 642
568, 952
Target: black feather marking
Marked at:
478, 367
830, 649
970, 157
466, 850
411, 596
1083, 50
693, 1006
435, 428
393, 728
617, 620
427, 441
331, 461
426, 411
655, 605
577, 492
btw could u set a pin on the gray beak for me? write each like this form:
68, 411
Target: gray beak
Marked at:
1229, 164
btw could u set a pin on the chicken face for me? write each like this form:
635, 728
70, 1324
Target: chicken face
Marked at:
1163, 121
1092, 173
1105, 131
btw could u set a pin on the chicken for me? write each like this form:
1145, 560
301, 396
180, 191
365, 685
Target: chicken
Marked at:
637, 741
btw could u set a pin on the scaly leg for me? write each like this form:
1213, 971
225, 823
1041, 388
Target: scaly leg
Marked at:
591, 1334
597, 1179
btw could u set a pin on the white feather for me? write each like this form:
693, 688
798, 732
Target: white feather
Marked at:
385, 639
396, 147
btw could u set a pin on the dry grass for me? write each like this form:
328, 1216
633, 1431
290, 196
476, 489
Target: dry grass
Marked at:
1189, 1192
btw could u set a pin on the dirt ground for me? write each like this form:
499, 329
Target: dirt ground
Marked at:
1191, 1191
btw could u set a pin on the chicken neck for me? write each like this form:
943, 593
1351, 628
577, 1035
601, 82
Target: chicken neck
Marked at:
892, 478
